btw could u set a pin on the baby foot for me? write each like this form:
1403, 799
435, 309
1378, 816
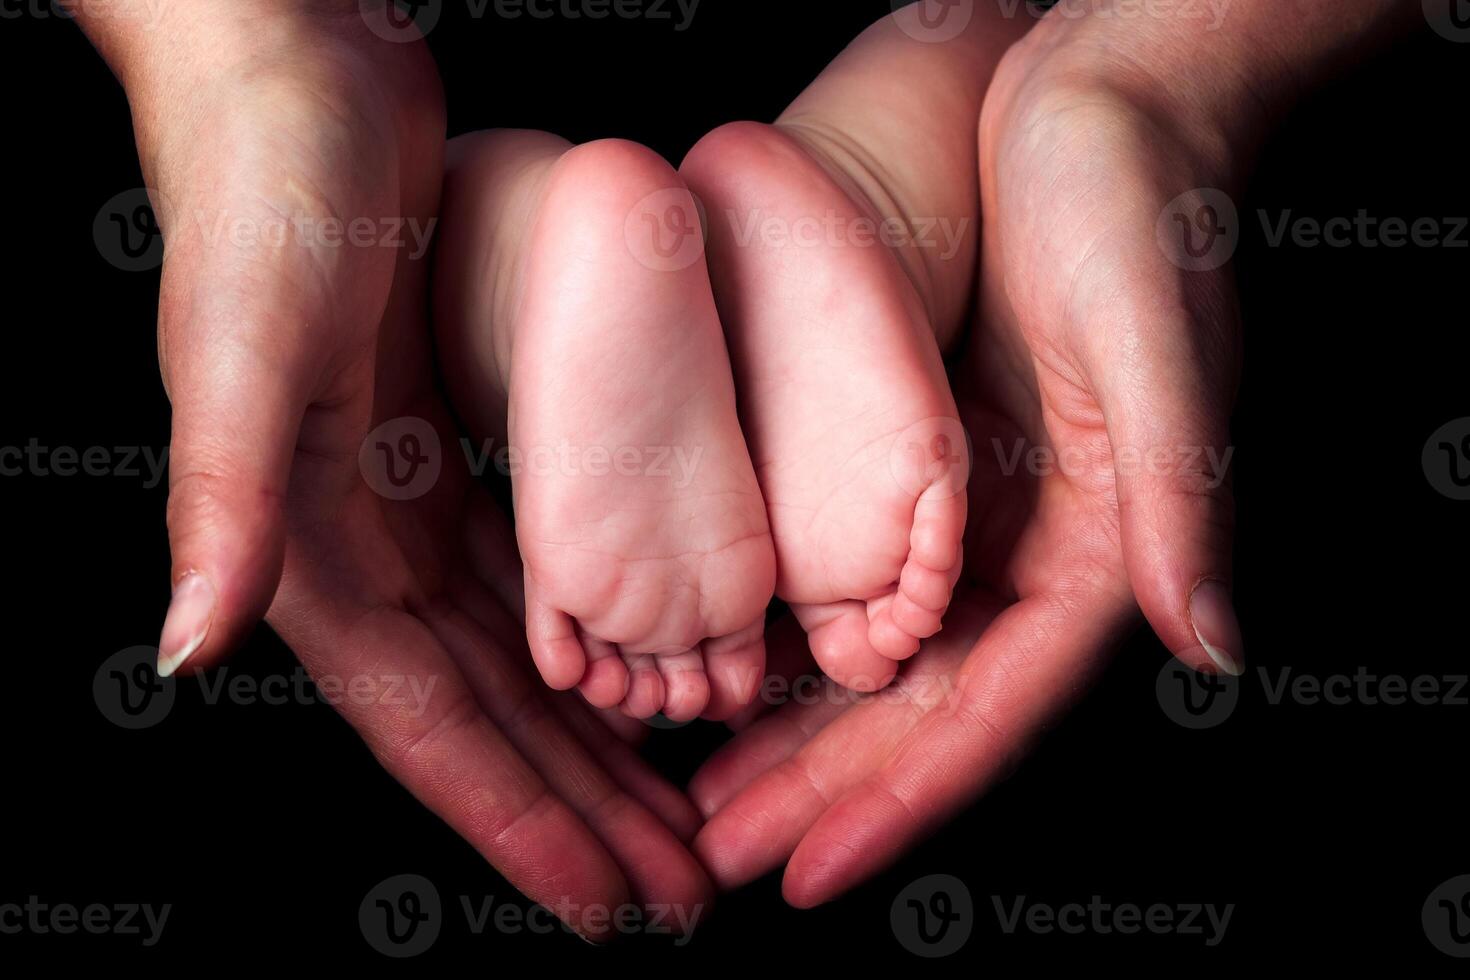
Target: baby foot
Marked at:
582, 286
851, 424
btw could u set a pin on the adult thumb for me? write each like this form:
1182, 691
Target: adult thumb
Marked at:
1166, 393
238, 378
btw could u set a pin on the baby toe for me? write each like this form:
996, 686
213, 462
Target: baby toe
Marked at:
735, 665
605, 683
555, 649
645, 696
925, 587
686, 687
838, 635
913, 619
886, 636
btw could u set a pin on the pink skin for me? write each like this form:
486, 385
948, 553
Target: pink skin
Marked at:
279, 362
279, 359
836, 793
1086, 135
835, 333
646, 583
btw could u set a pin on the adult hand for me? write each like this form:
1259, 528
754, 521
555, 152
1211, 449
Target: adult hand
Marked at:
837, 786
413, 608
296, 155
1107, 341
1111, 148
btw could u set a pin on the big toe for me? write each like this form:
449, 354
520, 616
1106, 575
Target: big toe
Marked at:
838, 635
735, 664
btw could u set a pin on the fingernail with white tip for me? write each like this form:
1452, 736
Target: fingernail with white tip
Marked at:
187, 624
1212, 615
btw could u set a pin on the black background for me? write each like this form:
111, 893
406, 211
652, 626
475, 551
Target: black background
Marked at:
1327, 826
